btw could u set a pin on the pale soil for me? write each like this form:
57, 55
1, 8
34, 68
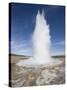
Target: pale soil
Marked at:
15, 58
25, 76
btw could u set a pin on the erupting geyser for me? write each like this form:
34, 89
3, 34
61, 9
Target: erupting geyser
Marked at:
41, 44
41, 40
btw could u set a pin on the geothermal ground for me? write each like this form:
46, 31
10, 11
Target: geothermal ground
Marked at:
37, 76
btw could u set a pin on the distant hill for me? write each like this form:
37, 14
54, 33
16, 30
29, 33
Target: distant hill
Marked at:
58, 56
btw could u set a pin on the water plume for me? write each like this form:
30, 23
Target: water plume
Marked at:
41, 41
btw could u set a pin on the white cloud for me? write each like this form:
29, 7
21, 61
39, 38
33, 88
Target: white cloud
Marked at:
58, 52
21, 48
60, 43
58, 48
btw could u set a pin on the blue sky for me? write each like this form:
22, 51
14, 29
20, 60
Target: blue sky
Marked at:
23, 22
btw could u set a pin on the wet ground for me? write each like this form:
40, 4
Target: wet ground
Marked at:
37, 76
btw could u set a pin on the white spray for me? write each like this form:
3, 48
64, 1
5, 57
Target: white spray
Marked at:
41, 43
41, 40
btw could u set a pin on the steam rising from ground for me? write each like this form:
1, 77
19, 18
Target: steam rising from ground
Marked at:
41, 43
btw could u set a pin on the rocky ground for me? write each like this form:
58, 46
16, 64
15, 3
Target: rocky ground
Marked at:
36, 76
